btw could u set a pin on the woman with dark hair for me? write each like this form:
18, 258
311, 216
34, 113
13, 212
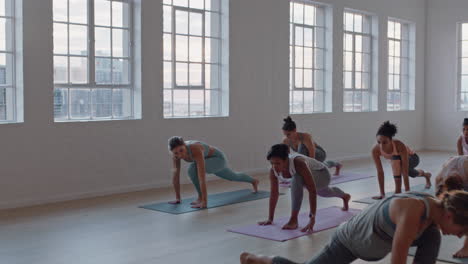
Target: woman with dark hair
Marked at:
392, 225
304, 144
403, 159
203, 159
304, 172
462, 142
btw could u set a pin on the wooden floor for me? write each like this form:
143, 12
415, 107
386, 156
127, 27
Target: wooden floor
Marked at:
113, 230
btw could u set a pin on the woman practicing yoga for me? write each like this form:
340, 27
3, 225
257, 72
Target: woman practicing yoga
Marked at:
403, 159
392, 225
304, 144
462, 142
204, 159
305, 172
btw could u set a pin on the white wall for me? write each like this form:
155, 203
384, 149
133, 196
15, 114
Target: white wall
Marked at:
443, 121
44, 161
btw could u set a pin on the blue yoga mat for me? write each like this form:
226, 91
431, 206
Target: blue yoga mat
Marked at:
214, 200
416, 188
449, 245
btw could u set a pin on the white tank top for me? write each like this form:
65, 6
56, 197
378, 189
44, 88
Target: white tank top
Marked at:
464, 145
455, 164
312, 164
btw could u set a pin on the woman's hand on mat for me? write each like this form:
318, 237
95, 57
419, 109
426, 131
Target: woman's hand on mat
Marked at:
267, 222
462, 253
175, 202
310, 226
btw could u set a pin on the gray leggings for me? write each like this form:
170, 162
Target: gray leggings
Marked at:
427, 244
321, 155
322, 179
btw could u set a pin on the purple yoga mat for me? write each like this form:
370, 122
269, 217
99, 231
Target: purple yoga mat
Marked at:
343, 177
326, 218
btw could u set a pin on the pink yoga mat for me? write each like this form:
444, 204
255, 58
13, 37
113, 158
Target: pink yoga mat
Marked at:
326, 218
343, 177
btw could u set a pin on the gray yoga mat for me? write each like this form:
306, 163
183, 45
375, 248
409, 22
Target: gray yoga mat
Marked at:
417, 188
449, 245
214, 200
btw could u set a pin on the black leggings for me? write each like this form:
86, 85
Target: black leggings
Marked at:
413, 162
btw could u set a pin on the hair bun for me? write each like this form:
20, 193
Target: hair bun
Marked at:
289, 119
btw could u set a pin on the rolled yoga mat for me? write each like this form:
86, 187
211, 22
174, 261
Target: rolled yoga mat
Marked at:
343, 177
214, 200
417, 188
449, 245
326, 218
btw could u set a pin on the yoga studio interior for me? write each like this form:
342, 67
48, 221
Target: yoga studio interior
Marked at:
233, 131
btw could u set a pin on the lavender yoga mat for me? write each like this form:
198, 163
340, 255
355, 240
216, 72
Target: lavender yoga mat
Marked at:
326, 218
343, 177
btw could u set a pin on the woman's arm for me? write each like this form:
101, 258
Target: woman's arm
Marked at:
310, 144
406, 214
380, 171
460, 146
303, 170
199, 159
176, 179
273, 199
403, 151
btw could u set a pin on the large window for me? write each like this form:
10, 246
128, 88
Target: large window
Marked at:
463, 66
358, 55
93, 60
401, 85
195, 58
309, 85
9, 92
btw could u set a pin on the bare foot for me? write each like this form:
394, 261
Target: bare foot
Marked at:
174, 202
462, 253
197, 201
200, 205
380, 197
338, 168
247, 258
291, 225
255, 185
346, 199
428, 180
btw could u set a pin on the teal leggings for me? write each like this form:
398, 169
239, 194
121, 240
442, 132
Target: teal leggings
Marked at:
217, 165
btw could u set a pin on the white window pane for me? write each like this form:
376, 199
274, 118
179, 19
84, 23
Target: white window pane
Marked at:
196, 49
465, 66
80, 104
464, 84
320, 16
348, 101
319, 38
78, 70
299, 36
298, 102
195, 74
397, 82
319, 81
60, 38
391, 29
308, 58
309, 16
102, 12
78, 40
181, 46
298, 13
397, 48
167, 75
397, 65
366, 44
391, 82
181, 23
61, 103
183, 3
308, 37
358, 80
167, 14
358, 62
120, 43
120, 71
101, 103
3, 34
308, 78
103, 71
348, 42
299, 83
208, 22
167, 103
60, 69
78, 11
180, 103
391, 65
358, 43
208, 4
6, 69
198, 4
349, 21
102, 43
60, 10
366, 24
197, 102
196, 24
348, 80
348, 61
120, 15
299, 57
318, 101
181, 74
308, 102
365, 100
366, 63
358, 23
464, 48
213, 76
464, 101
121, 103
167, 46
319, 59
465, 31
391, 48
398, 30
357, 102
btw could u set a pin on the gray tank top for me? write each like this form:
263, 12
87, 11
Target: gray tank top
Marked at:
369, 235
206, 148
